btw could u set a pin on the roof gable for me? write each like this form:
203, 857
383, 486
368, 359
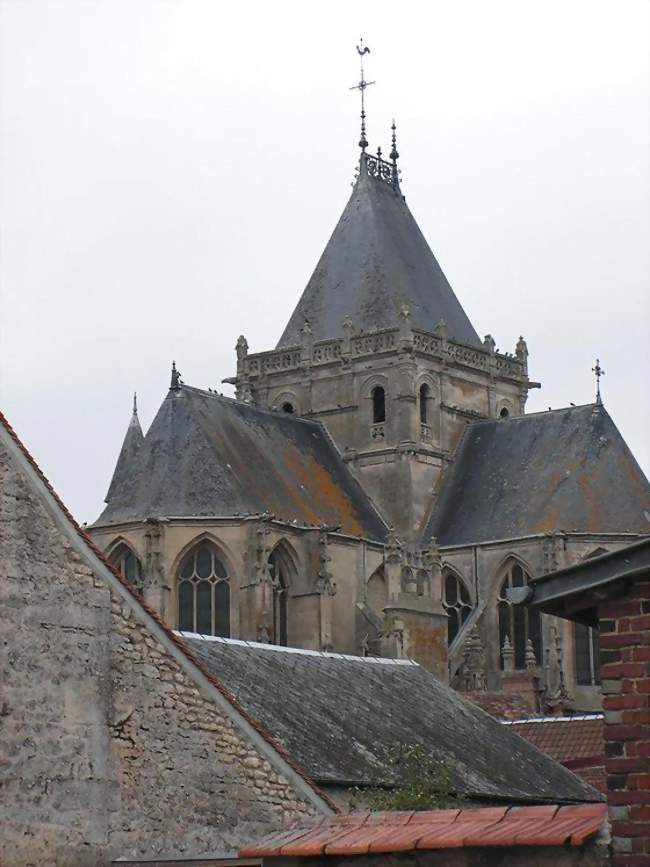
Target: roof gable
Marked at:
340, 714
376, 261
205, 680
567, 469
206, 455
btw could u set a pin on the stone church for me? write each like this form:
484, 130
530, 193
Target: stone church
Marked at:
376, 486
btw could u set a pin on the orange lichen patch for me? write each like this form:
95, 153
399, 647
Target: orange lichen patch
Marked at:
320, 497
550, 825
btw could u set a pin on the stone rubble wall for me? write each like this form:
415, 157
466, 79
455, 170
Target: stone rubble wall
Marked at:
107, 746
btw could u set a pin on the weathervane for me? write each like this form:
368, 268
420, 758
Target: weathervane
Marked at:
362, 50
599, 372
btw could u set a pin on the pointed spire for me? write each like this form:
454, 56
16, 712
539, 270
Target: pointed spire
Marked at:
125, 467
531, 659
508, 654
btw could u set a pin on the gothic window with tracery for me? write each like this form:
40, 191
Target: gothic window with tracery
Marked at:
378, 405
280, 599
587, 654
518, 622
126, 562
457, 603
204, 593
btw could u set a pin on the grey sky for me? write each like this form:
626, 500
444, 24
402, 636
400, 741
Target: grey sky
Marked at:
171, 172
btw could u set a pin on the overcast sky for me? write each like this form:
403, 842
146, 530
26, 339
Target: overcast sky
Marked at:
172, 169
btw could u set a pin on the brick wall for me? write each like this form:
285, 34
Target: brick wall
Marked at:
625, 672
108, 746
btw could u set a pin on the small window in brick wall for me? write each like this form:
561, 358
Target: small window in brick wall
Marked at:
456, 602
587, 653
518, 622
204, 593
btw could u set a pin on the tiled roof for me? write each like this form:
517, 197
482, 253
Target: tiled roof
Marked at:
576, 742
567, 739
437, 829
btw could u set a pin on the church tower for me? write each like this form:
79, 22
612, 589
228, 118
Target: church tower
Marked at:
380, 350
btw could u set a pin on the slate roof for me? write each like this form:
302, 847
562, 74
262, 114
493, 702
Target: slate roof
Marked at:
567, 469
338, 715
377, 260
364, 833
207, 455
133, 439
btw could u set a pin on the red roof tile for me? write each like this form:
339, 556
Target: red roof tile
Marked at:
564, 738
436, 829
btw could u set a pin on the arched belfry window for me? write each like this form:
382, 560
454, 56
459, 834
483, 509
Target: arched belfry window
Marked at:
457, 603
587, 655
278, 570
378, 404
424, 403
127, 563
518, 622
204, 592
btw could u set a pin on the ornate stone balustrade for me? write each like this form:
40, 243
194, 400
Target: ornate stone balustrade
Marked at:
388, 340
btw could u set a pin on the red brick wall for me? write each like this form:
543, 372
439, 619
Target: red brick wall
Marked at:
625, 673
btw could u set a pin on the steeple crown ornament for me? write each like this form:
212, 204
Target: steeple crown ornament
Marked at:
135, 403
598, 372
176, 380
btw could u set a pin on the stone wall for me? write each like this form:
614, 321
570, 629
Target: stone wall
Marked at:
108, 745
625, 670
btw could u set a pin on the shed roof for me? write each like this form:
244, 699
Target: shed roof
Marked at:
376, 261
434, 829
340, 715
567, 469
208, 455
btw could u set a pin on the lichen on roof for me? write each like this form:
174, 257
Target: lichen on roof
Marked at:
206, 455
566, 470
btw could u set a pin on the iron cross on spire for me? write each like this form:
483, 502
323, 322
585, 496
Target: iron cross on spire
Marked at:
362, 50
599, 372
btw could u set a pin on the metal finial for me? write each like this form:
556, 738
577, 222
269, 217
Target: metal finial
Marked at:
176, 378
394, 154
135, 403
599, 372
362, 50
